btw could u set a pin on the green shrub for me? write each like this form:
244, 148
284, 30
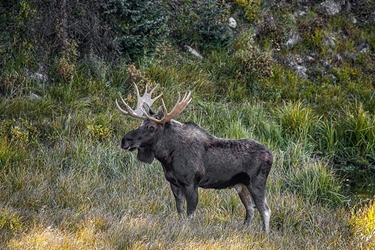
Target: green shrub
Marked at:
17, 44
253, 64
252, 67
11, 81
212, 26
311, 29
271, 32
139, 26
65, 65
251, 8
201, 24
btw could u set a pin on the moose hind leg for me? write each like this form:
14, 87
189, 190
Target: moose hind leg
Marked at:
247, 201
259, 198
266, 217
179, 196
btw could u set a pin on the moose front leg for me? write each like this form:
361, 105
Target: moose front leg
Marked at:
179, 196
191, 193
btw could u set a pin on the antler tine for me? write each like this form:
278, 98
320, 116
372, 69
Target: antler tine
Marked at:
137, 90
177, 103
122, 111
177, 109
152, 90
128, 111
146, 98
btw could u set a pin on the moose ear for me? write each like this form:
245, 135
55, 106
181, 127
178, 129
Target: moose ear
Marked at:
147, 109
160, 113
145, 155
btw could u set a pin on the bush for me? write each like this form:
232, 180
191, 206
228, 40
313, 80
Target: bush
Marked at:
253, 64
139, 26
212, 25
104, 28
202, 24
251, 9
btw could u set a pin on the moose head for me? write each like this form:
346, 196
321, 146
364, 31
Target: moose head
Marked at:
142, 138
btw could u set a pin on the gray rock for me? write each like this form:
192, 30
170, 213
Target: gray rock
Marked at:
34, 96
232, 22
363, 48
293, 39
296, 63
301, 71
332, 7
310, 58
330, 41
193, 51
39, 77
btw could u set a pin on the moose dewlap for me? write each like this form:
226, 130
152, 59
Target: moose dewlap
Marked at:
192, 158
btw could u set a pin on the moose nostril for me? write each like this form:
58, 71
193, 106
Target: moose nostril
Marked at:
124, 143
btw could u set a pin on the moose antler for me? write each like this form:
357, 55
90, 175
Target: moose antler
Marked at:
146, 98
140, 113
177, 109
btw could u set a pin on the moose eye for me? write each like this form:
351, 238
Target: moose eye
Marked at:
151, 128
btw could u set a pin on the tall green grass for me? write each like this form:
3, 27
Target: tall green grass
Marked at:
66, 184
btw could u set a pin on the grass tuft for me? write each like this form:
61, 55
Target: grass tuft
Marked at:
363, 222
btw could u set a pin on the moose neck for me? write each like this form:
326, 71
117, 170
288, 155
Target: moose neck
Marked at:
177, 137
169, 140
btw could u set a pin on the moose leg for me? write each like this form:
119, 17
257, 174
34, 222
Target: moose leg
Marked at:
179, 196
191, 192
247, 201
257, 191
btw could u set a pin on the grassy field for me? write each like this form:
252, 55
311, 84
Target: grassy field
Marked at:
66, 184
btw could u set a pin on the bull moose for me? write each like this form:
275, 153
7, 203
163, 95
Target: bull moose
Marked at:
191, 157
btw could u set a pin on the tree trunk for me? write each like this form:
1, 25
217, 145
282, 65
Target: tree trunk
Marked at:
64, 25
